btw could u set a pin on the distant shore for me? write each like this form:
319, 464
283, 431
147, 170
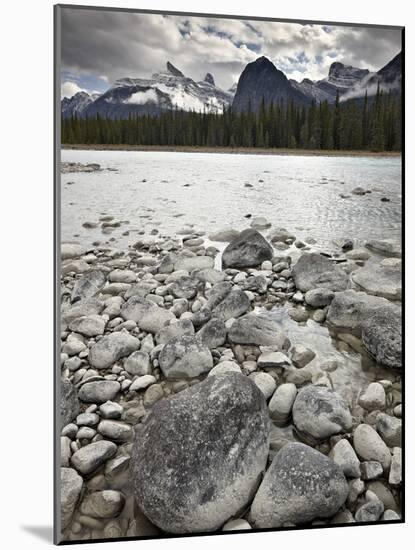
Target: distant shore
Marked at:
234, 150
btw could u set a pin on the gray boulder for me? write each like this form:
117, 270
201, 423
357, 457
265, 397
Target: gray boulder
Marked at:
382, 337
154, 319
112, 347
350, 309
316, 271
185, 357
180, 328
235, 304
320, 413
70, 490
89, 325
88, 285
213, 334
90, 306
184, 287
383, 279
319, 297
135, 307
387, 247
248, 249
300, 485
69, 402
198, 457
256, 330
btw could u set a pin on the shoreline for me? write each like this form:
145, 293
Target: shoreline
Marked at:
231, 151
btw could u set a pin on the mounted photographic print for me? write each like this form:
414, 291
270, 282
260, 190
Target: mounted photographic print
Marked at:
228, 274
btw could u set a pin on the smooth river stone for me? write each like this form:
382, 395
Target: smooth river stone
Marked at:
87, 459
104, 353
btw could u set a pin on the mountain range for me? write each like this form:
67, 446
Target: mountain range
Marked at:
260, 80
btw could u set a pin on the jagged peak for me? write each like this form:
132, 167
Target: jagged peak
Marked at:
172, 69
209, 79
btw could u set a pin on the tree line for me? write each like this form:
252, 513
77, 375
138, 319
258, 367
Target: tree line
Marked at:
361, 124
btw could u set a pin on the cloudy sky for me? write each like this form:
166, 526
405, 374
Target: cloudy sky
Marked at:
99, 47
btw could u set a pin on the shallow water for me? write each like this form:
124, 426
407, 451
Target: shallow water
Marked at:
354, 372
208, 191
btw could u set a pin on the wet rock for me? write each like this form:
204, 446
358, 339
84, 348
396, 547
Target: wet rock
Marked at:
350, 309
249, 249
257, 330
224, 235
369, 445
320, 412
234, 304
319, 297
71, 250
92, 456
70, 490
280, 234
300, 485
69, 402
138, 363
260, 223
382, 336
193, 263
373, 398
358, 191
185, 357
316, 271
88, 285
179, 328
103, 504
99, 391
221, 427
91, 325
380, 280
344, 456
281, 403
301, 356
110, 348
213, 334
387, 247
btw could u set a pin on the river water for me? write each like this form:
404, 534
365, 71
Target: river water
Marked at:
167, 191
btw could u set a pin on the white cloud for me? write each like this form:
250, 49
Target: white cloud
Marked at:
139, 98
69, 89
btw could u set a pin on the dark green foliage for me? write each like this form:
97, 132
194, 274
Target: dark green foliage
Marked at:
373, 125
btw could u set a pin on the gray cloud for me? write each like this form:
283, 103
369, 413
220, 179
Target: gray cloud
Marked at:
111, 45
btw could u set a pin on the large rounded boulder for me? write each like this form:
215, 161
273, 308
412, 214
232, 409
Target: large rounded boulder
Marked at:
316, 271
199, 455
382, 337
248, 249
301, 484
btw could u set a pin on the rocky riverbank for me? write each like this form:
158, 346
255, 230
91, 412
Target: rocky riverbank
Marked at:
185, 406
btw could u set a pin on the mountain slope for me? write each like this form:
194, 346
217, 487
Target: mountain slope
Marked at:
163, 91
77, 104
261, 80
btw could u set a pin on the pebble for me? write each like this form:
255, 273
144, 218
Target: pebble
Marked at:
142, 382
273, 359
281, 403
373, 398
301, 356
344, 455
115, 430
369, 445
87, 459
111, 410
265, 383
